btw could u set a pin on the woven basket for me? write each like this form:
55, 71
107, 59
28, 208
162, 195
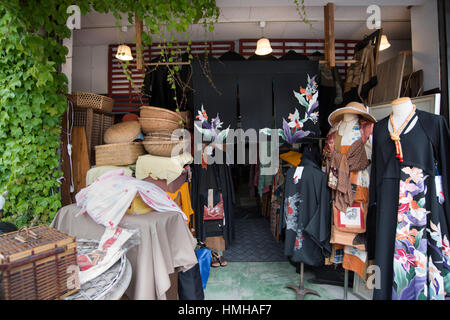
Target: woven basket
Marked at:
150, 125
35, 264
159, 135
118, 154
160, 113
122, 132
162, 148
187, 119
91, 100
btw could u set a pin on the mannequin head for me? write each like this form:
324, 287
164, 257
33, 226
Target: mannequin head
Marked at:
350, 117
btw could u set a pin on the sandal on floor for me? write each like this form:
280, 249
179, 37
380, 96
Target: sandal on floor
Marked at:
215, 260
222, 261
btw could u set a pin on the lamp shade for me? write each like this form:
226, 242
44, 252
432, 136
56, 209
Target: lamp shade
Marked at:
124, 53
263, 47
384, 44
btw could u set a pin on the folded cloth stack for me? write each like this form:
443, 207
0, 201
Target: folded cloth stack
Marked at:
94, 173
170, 175
162, 168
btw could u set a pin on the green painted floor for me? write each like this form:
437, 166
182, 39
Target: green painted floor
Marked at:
264, 281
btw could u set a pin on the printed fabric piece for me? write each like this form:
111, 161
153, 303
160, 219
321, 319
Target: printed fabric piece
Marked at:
292, 212
108, 252
422, 253
108, 198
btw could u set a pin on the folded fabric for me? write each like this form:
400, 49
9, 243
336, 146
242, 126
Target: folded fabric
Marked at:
168, 168
108, 252
292, 157
138, 206
109, 197
169, 187
96, 172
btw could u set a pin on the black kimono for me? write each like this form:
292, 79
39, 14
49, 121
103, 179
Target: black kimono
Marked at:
204, 179
306, 215
408, 221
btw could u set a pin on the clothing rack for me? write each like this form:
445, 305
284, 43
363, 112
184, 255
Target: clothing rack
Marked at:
162, 63
300, 289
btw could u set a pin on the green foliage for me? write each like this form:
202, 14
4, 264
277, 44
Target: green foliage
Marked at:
32, 89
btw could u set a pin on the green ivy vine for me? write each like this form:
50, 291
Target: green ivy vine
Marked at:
32, 89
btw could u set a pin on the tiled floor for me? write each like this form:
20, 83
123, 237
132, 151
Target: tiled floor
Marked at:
264, 281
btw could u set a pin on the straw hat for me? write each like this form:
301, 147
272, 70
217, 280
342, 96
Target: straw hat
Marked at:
122, 132
352, 108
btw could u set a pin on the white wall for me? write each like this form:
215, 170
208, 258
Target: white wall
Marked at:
90, 69
425, 43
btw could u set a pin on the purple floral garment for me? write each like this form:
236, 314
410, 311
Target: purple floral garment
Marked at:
422, 253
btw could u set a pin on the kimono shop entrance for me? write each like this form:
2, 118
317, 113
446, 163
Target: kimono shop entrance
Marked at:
254, 241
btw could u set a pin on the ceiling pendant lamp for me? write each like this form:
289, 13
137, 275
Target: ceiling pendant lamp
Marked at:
263, 45
124, 53
384, 43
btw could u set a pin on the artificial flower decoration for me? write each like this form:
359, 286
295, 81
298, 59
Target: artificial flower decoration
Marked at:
307, 97
211, 132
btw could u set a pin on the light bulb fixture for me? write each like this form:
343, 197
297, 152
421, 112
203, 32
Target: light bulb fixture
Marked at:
263, 46
384, 43
124, 53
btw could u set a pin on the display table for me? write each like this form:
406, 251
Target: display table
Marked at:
165, 244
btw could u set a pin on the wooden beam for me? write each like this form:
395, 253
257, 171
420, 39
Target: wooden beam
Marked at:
349, 61
330, 50
139, 53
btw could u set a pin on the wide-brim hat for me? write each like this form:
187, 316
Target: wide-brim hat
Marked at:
351, 108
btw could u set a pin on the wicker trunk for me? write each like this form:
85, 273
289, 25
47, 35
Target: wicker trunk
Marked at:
38, 263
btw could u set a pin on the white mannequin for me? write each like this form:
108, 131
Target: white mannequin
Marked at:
348, 121
401, 108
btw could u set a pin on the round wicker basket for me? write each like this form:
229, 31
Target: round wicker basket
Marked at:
160, 113
163, 148
150, 125
122, 132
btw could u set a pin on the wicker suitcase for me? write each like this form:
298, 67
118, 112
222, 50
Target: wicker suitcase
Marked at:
38, 263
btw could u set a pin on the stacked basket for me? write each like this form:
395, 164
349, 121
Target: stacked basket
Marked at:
158, 124
120, 150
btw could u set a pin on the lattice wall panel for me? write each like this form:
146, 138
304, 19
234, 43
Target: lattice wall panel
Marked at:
127, 94
344, 48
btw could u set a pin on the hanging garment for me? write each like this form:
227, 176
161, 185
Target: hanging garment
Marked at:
409, 216
347, 166
348, 171
361, 75
330, 88
159, 92
185, 200
202, 180
231, 56
306, 214
108, 198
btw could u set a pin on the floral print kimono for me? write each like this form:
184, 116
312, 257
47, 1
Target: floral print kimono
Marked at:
408, 220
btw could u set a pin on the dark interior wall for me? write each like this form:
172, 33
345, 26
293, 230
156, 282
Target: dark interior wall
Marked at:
444, 43
265, 91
